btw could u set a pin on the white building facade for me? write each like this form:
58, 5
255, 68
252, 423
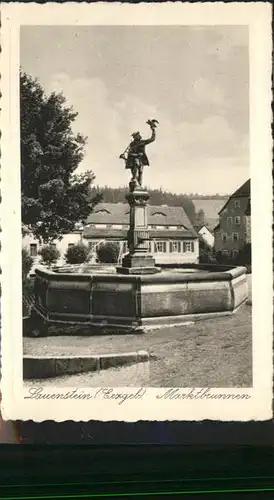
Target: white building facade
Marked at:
173, 240
206, 235
33, 246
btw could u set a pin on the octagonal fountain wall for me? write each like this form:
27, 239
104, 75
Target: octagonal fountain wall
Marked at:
96, 302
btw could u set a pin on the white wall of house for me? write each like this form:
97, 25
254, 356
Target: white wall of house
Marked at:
33, 246
207, 236
183, 252
163, 251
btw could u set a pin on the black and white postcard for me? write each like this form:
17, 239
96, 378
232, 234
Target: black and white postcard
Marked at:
136, 244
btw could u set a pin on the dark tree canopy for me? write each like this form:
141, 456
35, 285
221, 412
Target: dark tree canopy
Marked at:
200, 217
54, 198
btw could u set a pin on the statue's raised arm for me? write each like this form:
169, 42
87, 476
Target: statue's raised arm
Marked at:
135, 156
153, 133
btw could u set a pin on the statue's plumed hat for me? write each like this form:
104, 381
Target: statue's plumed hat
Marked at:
135, 134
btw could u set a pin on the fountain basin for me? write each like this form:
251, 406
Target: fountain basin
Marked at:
95, 303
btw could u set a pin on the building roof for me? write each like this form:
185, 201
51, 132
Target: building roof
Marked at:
242, 192
201, 226
121, 234
198, 227
118, 213
209, 225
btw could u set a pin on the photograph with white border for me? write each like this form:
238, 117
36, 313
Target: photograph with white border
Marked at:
136, 182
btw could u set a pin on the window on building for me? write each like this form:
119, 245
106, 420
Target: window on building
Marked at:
175, 246
235, 236
188, 246
237, 220
229, 221
108, 226
234, 253
237, 203
224, 236
33, 249
153, 226
161, 246
179, 227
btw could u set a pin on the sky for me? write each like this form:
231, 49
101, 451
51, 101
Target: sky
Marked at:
192, 79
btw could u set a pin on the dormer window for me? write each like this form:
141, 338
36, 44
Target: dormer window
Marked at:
237, 203
159, 213
102, 211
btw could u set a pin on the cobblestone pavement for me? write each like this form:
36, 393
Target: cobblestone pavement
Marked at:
210, 353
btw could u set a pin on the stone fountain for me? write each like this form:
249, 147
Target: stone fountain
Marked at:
139, 295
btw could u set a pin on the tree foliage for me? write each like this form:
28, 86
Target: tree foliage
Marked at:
200, 217
108, 253
54, 197
77, 254
49, 254
244, 255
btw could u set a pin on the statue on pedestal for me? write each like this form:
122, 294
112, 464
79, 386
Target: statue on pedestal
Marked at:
135, 156
138, 260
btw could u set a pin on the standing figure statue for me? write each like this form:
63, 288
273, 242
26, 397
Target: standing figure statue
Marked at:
135, 156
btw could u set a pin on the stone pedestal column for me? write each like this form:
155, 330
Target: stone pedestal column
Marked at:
138, 260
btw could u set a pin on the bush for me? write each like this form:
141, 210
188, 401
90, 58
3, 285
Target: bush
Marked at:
49, 254
244, 256
206, 253
242, 259
207, 257
27, 263
108, 253
77, 254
